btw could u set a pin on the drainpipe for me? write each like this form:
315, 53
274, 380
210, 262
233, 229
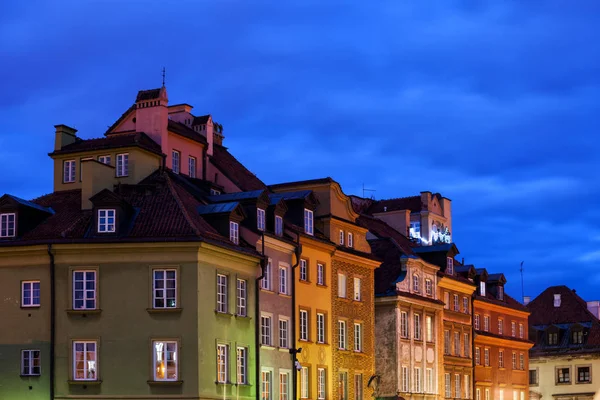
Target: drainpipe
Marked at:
298, 251
52, 319
263, 264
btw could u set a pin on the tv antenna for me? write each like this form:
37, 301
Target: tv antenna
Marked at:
164, 73
367, 190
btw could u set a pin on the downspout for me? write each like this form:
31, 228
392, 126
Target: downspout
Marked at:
263, 264
473, 344
52, 319
298, 252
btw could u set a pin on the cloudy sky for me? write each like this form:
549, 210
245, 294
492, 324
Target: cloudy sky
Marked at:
495, 104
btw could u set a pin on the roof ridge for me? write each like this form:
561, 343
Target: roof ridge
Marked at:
398, 198
180, 204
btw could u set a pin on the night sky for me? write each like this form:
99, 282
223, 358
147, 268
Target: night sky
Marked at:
494, 104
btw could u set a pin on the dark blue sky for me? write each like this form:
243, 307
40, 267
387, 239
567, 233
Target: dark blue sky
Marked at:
494, 104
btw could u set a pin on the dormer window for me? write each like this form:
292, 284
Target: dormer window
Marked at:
308, 222
175, 157
449, 265
122, 164
260, 219
278, 225
69, 171
7, 225
577, 337
350, 239
215, 192
500, 292
482, 288
106, 221
557, 300
552, 338
234, 233
341, 237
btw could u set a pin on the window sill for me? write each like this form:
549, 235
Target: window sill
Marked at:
285, 295
322, 343
165, 383
577, 383
30, 307
305, 282
243, 317
358, 302
305, 341
164, 310
83, 313
262, 289
224, 383
267, 347
30, 376
84, 383
284, 349
223, 314
321, 286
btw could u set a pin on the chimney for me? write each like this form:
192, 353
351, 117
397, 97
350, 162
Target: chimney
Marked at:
526, 300
594, 308
557, 300
95, 177
152, 115
210, 136
218, 134
64, 135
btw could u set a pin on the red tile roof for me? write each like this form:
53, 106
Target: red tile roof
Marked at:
507, 302
185, 131
113, 141
150, 94
234, 170
412, 203
572, 308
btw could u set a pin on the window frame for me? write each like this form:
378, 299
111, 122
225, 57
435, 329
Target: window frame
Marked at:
321, 328
69, 171
104, 159
342, 237
303, 275
165, 280
234, 232
241, 291
284, 385
31, 291
589, 373
122, 165
303, 325
175, 161
357, 293
428, 287
417, 326
165, 344
320, 274
192, 166
84, 299
5, 221
350, 241
266, 281
260, 219
241, 353
284, 333
85, 360
266, 330
404, 331
416, 283
309, 222
222, 361
222, 293
283, 280
108, 227
342, 286
29, 355
358, 340
278, 225
342, 335
304, 382
557, 375
321, 383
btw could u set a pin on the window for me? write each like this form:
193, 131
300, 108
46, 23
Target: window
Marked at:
165, 360
358, 387
266, 280
222, 293
234, 232
500, 293
477, 394
241, 297
7, 225
341, 237
417, 326
343, 386
303, 270
429, 380
500, 326
192, 167
429, 328
486, 323
283, 280
30, 294
104, 159
403, 324
321, 383
577, 337
446, 300
342, 286
106, 221
428, 287
278, 225
30, 363
84, 290
416, 283
283, 333
501, 394
583, 375
265, 330
342, 335
467, 345
522, 395
486, 357
320, 274
165, 288
476, 321
533, 377
405, 379
284, 385
320, 328
467, 387
456, 303
303, 325
477, 356
465, 305
357, 296
304, 383
552, 338
175, 156
487, 394
308, 222
265, 386
557, 300
242, 365
222, 364
358, 337
514, 360
122, 164
449, 265
446, 342
501, 358
85, 366
350, 239
563, 375
513, 329
457, 391
457, 343
417, 380
260, 219
482, 288
522, 362
447, 385
214, 192
69, 171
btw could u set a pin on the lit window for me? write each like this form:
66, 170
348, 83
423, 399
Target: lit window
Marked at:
320, 328
522, 362
456, 305
284, 384
122, 164
222, 364
164, 288
350, 239
501, 358
416, 283
553, 338
283, 280
576, 337
457, 392
557, 300
242, 365
342, 286
241, 297
477, 356
30, 294
303, 270
358, 337
477, 394
563, 375
69, 171
304, 383
417, 326
106, 221
428, 287
7, 225
234, 232
175, 157
165, 360
342, 335
449, 265
30, 363
487, 394
468, 387
320, 274
446, 300
482, 288
260, 219
265, 385
343, 382
265, 330
514, 360
486, 357
321, 383
266, 280
283, 333
303, 325
429, 328
476, 321
465, 305
486, 323
415, 230
278, 225
513, 329
357, 296
104, 159
308, 222
521, 332
85, 365
500, 326
342, 237
192, 167
222, 293
84, 290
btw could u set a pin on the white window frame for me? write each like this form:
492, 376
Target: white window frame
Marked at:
284, 333
342, 285
404, 324
222, 363
428, 380
342, 237
476, 322
69, 171
266, 384
266, 330
486, 323
482, 288
283, 280
234, 232
122, 164
501, 358
358, 341
176, 161
320, 328
500, 326
417, 380
350, 240
104, 217
357, 287
416, 283
241, 297
447, 385
521, 331
478, 394
342, 335
169, 275
160, 351
266, 280
85, 291
513, 329
486, 357
303, 325
29, 287
405, 379
321, 383
449, 265
260, 219
191, 167
104, 159
417, 326
321, 274
222, 293
428, 287
31, 362
487, 394
242, 365
309, 227
6, 230
457, 388
429, 328
304, 383
278, 225
284, 385
86, 361
303, 270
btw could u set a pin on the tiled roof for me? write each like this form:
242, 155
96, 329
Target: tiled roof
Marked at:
113, 141
31, 204
390, 272
234, 170
572, 308
382, 230
148, 95
185, 131
507, 302
305, 182
201, 120
412, 203
221, 198
218, 208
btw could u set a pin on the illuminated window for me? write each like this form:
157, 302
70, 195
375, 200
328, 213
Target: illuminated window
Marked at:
358, 337
477, 356
304, 384
241, 297
106, 221
342, 286
303, 325
320, 274
477, 394
266, 280
165, 360
415, 230
486, 323
30, 363
321, 383
283, 333
69, 171
85, 366
482, 288
467, 387
308, 222
303, 270
500, 326
417, 326
266, 333
266, 389
446, 300
513, 329
350, 239
343, 385
501, 394
487, 394
341, 237
486, 357
357, 296
465, 305
577, 337
7, 225
242, 365
429, 328
222, 363
175, 161
476, 321
522, 362
30, 294
104, 159
553, 338
457, 391
514, 360
456, 305
123, 164
521, 331
583, 375
260, 219
342, 335
320, 328
284, 385
501, 358
84, 290
234, 230
278, 225
192, 167
222, 293
164, 291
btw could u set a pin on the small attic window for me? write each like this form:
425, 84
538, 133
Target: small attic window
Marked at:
106, 221
260, 219
482, 288
278, 225
214, 192
308, 222
449, 265
557, 300
7, 225
234, 232
500, 292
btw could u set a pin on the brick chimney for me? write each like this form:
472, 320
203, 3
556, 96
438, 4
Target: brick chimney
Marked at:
152, 115
64, 135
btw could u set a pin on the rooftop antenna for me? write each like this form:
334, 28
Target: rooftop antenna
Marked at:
522, 287
163, 75
367, 190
